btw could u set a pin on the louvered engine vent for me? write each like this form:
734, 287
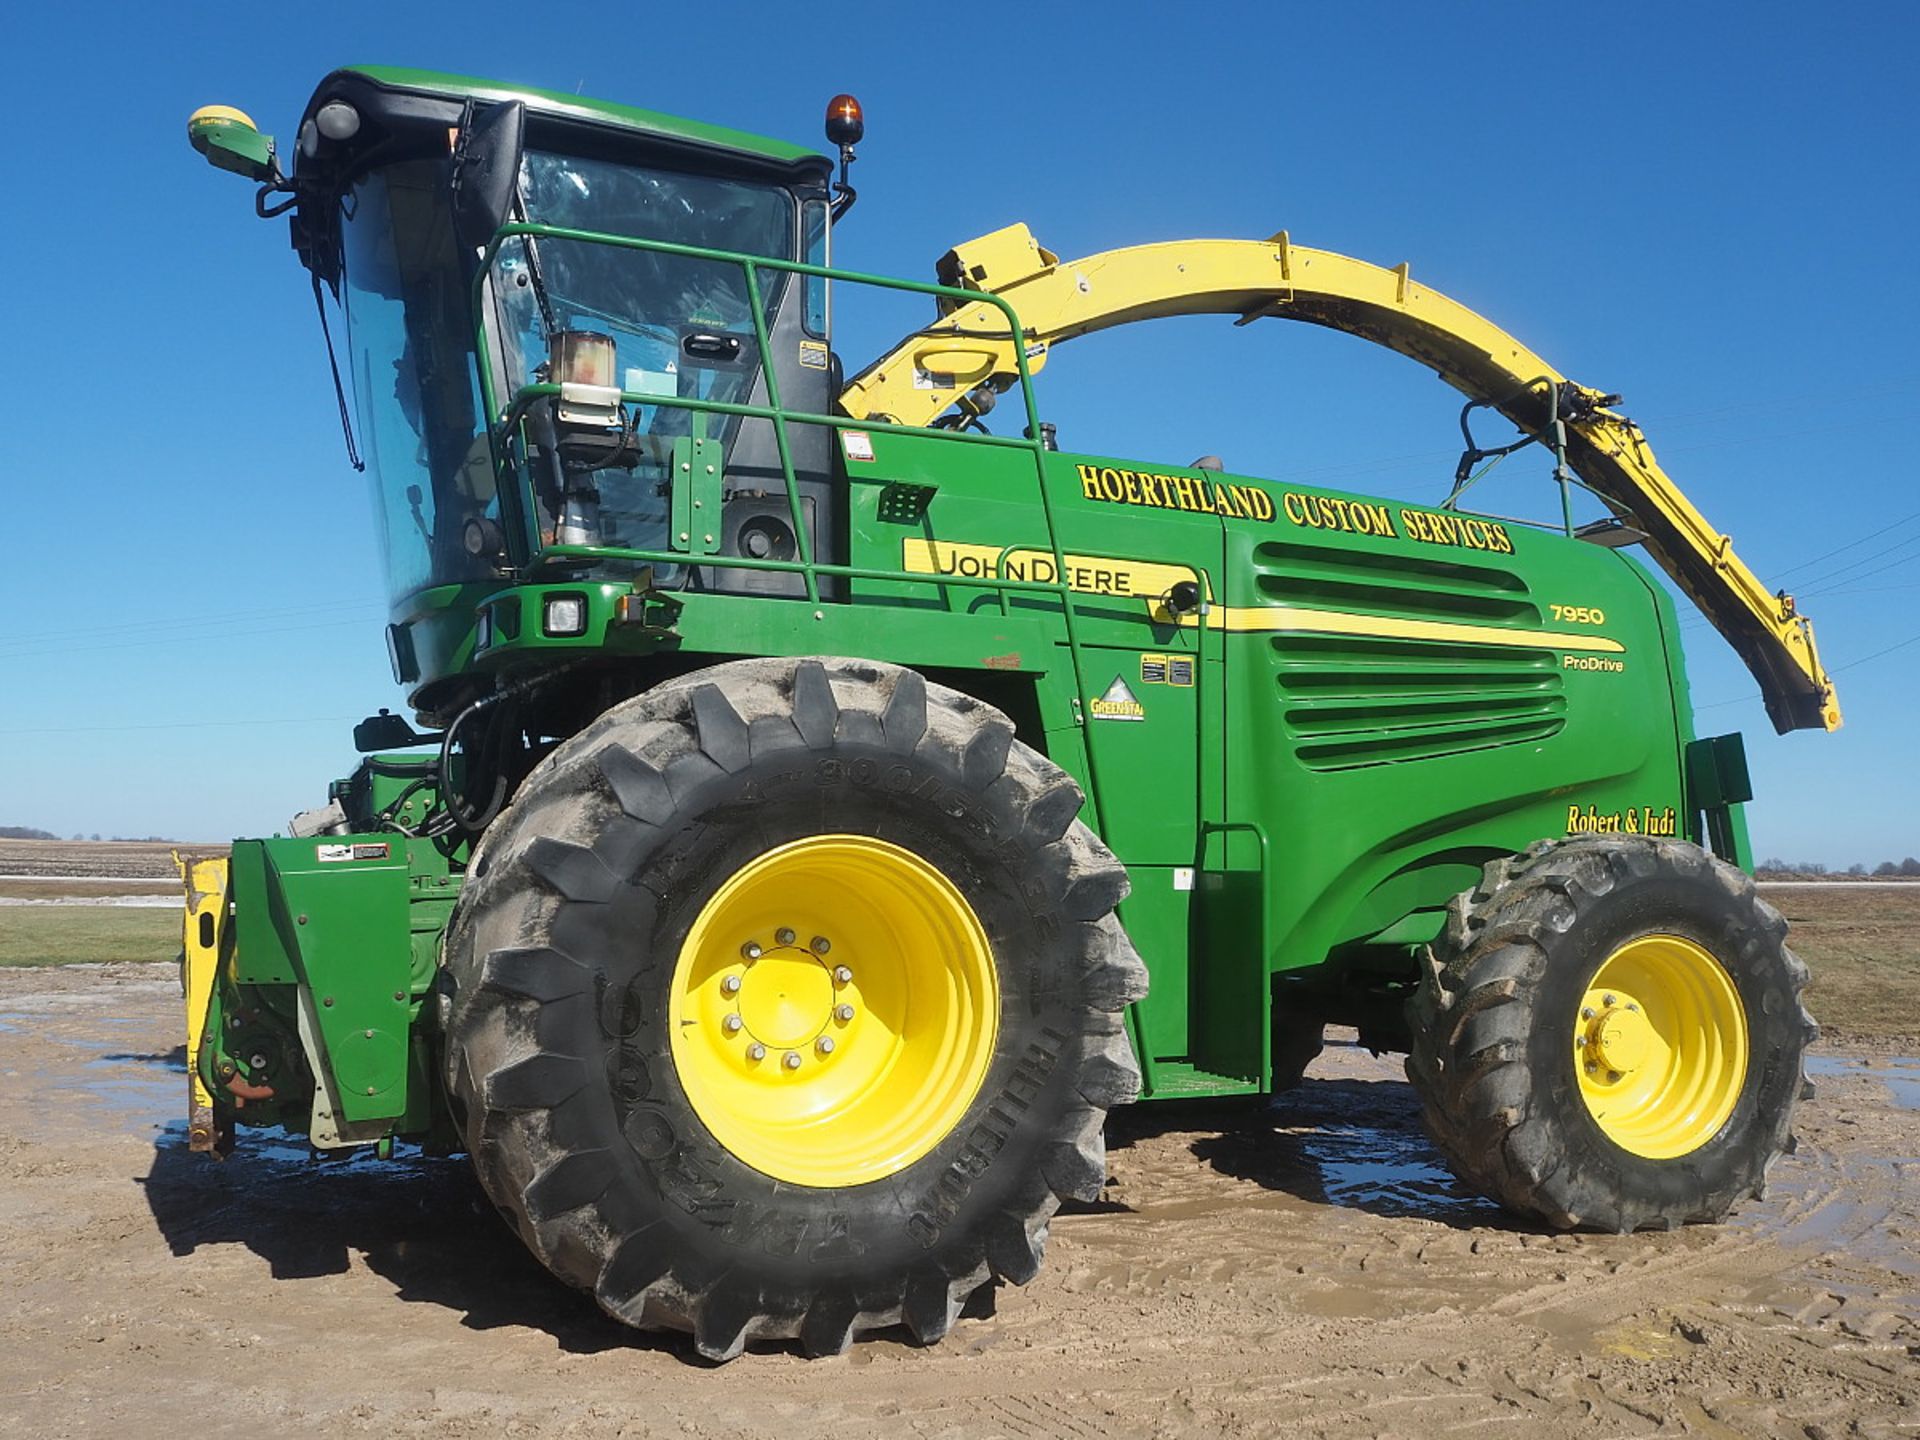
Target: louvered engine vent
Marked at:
1353, 700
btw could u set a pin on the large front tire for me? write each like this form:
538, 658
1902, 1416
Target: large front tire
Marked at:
645, 1087
1609, 1035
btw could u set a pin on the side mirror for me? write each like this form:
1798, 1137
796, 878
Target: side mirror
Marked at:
387, 731
486, 173
230, 141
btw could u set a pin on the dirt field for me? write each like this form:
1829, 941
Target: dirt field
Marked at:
1863, 944
1308, 1271
117, 859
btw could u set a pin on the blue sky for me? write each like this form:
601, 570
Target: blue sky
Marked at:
1708, 208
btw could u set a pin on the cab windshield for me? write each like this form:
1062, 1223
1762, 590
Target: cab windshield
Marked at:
681, 326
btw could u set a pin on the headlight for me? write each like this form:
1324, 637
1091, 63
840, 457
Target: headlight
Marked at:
566, 615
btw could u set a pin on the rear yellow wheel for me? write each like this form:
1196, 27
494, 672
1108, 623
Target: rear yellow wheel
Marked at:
1660, 1043
834, 1010
1589, 1074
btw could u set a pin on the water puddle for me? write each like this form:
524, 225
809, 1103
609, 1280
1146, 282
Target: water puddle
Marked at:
1365, 1168
1899, 1073
148, 1090
272, 1148
145, 1092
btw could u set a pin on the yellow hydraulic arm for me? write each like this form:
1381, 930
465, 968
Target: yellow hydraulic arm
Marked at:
933, 369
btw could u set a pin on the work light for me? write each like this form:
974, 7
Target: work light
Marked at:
565, 615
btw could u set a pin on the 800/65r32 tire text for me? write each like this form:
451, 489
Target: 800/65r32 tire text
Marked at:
786, 1001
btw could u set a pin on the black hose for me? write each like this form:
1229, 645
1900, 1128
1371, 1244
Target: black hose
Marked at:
489, 755
469, 819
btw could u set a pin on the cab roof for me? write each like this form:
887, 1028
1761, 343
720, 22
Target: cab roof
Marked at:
577, 108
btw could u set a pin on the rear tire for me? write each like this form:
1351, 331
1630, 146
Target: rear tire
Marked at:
568, 964
1609, 1035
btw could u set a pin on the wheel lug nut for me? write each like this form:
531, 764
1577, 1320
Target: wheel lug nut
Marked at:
1591, 1067
842, 975
732, 1024
1586, 1012
792, 1062
843, 1013
1633, 1007
756, 1051
1579, 1042
784, 935
1607, 1000
821, 944
824, 1044
731, 985
1613, 1077
751, 950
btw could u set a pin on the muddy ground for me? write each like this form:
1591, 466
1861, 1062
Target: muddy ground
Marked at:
1310, 1270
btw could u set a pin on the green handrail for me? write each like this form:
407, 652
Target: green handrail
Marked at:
780, 440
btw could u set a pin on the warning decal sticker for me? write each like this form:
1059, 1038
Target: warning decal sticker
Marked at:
1166, 670
365, 850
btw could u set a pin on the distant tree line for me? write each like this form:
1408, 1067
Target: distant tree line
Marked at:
27, 832
1907, 869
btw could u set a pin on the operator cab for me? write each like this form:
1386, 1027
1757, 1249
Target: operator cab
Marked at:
401, 182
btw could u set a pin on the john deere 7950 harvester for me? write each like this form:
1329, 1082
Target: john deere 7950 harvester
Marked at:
812, 780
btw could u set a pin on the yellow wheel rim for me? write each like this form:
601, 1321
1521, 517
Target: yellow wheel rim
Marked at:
1660, 1046
834, 1010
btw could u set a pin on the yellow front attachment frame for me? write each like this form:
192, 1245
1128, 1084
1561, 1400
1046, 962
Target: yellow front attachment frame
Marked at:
203, 932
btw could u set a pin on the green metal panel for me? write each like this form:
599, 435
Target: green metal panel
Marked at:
1378, 759
1228, 972
263, 944
1717, 772
1146, 742
348, 897
698, 463
1159, 915
1718, 784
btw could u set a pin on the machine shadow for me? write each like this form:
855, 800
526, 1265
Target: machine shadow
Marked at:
1354, 1144
422, 1224
174, 1059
